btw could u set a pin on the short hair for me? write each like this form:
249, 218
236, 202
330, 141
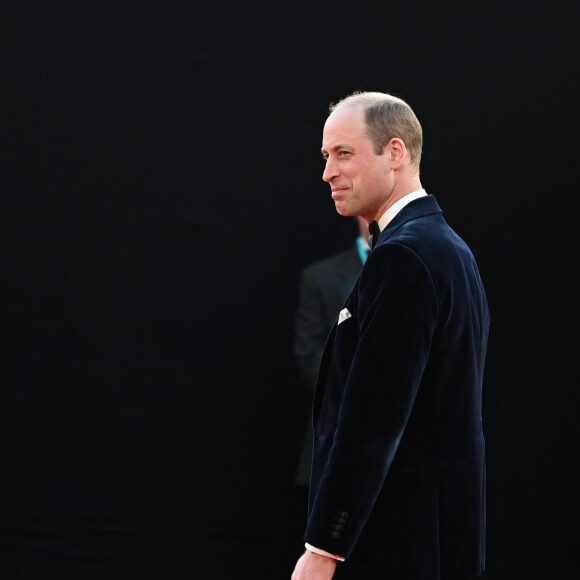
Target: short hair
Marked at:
387, 117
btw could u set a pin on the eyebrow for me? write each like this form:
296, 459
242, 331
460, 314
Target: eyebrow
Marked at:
335, 148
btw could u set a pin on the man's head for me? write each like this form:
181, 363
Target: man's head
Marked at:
372, 146
386, 117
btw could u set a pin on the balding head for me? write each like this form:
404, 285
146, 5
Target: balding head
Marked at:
387, 117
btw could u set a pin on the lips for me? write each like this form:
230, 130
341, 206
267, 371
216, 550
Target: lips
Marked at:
339, 197
338, 191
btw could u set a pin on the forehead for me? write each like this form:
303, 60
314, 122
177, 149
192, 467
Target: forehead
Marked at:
344, 125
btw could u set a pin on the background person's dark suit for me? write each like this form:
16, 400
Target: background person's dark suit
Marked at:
324, 287
398, 482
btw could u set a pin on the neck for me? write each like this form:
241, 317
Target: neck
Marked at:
399, 192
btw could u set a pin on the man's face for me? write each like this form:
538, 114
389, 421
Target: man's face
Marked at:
361, 181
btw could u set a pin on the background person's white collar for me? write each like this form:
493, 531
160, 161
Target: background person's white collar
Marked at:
398, 206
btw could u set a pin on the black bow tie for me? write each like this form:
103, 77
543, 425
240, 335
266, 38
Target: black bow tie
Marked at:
375, 232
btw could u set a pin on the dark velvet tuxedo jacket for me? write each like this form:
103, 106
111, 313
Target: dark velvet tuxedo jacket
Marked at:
398, 473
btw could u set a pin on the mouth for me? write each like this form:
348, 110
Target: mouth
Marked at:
338, 192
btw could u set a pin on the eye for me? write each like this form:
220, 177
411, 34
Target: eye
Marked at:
343, 153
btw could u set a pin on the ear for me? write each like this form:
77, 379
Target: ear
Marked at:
396, 151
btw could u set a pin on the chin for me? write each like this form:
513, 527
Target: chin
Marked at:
343, 211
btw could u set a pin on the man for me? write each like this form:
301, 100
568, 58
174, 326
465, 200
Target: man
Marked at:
324, 286
397, 488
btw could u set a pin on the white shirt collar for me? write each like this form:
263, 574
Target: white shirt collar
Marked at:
398, 206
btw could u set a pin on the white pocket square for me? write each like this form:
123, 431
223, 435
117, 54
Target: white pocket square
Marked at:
344, 315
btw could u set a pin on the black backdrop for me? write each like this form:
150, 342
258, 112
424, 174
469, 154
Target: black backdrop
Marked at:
161, 193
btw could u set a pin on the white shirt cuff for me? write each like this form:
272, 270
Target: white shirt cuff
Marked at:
323, 553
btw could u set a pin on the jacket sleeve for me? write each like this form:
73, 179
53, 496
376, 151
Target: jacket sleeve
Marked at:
395, 309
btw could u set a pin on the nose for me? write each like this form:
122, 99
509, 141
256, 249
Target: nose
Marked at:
330, 170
